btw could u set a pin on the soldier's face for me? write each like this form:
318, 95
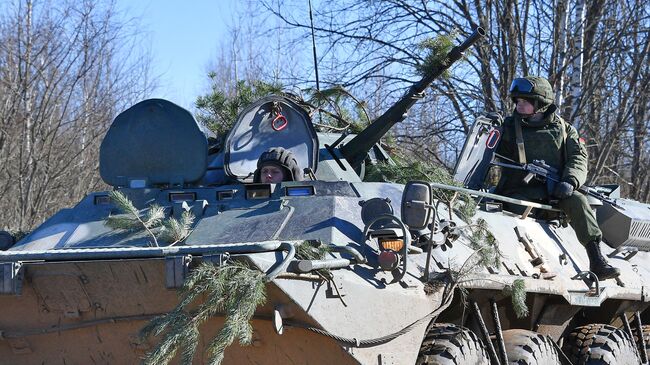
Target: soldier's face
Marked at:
271, 174
525, 107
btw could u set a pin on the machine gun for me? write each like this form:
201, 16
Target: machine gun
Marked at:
541, 171
356, 150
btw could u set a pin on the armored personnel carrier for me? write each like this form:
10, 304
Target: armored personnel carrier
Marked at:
403, 285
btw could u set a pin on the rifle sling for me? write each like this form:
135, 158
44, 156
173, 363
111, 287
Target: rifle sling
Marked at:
563, 127
519, 137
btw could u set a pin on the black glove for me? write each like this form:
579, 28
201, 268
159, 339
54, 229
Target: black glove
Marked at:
563, 190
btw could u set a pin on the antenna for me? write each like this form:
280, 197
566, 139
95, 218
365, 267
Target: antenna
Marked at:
313, 47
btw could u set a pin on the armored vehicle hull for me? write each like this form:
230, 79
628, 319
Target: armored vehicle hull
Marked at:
81, 305
402, 278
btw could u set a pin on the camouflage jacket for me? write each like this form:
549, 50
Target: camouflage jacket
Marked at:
562, 150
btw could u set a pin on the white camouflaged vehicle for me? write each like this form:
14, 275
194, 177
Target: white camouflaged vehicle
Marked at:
75, 291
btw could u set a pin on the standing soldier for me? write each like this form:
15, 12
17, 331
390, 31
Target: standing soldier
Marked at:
535, 132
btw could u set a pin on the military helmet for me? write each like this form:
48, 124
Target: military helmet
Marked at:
281, 158
533, 87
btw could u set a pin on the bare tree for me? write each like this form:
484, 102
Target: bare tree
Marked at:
64, 74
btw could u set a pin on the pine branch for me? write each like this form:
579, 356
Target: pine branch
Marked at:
517, 291
405, 170
233, 289
154, 216
130, 213
123, 203
123, 222
166, 349
314, 250
175, 231
438, 48
483, 242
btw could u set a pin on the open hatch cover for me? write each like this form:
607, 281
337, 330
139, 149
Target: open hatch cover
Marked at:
154, 142
273, 121
474, 161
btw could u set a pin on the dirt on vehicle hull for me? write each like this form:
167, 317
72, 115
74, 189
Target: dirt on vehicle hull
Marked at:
92, 313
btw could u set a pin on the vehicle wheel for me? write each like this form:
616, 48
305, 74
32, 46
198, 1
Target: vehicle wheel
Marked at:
447, 344
646, 338
527, 348
601, 344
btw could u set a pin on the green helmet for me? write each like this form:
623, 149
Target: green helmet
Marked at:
281, 158
535, 88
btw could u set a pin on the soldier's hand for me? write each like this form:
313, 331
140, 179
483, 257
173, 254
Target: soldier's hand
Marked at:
563, 190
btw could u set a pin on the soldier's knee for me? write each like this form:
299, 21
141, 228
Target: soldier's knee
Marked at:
577, 200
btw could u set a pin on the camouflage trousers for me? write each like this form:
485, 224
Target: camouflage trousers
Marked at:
576, 207
581, 217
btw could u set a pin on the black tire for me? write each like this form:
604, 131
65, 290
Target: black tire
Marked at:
601, 344
529, 348
447, 344
646, 338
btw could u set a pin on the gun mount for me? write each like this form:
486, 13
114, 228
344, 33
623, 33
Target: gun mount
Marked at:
355, 151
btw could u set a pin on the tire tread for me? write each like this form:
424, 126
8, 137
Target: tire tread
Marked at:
448, 344
600, 344
529, 348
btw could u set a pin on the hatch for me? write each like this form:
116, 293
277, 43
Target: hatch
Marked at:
474, 161
154, 142
273, 121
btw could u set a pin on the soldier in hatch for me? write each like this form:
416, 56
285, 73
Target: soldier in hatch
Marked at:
276, 165
535, 132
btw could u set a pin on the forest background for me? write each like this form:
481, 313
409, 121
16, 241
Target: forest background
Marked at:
67, 68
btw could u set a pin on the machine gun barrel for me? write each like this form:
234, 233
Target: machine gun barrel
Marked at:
355, 151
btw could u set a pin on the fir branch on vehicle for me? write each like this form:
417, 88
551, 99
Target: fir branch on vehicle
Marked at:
154, 216
517, 292
123, 203
174, 230
234, 290
124, 222
486, 254
131, 220
314, 250
170, 230
405, 170
483, 242
437, 48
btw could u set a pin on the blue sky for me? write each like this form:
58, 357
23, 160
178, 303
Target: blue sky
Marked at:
183, 37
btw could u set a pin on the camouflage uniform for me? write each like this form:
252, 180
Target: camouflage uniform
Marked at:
545, 141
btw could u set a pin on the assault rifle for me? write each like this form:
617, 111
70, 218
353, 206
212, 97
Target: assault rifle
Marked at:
541, 171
